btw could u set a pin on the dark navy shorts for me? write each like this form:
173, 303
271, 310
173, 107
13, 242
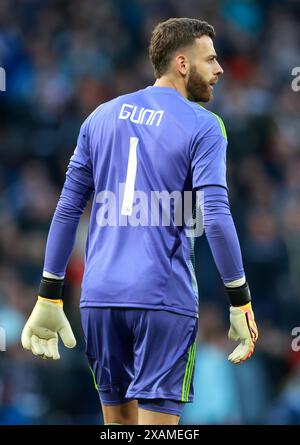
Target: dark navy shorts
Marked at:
141, 354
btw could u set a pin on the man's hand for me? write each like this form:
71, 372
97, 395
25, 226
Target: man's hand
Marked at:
243, 329
40, 333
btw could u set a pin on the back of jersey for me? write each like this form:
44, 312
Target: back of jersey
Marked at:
138, 149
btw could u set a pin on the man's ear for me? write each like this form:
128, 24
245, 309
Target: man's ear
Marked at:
182, 64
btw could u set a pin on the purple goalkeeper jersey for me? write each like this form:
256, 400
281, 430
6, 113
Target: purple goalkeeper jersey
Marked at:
129, 150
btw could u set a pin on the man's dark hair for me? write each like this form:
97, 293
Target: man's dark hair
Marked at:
167, 37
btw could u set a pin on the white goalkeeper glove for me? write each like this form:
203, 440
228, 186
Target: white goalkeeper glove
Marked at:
243, 329
40, 333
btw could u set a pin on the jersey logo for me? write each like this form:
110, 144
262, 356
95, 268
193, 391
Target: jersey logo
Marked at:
142, 116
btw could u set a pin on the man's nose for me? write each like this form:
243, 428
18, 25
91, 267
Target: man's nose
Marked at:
219, 70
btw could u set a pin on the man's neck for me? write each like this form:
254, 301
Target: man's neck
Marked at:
167, 82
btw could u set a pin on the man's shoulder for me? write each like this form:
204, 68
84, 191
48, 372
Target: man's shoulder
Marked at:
209, 121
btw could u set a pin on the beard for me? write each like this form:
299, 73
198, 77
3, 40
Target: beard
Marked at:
198, 89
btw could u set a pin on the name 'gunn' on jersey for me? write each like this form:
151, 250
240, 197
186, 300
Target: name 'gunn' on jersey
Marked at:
141, 115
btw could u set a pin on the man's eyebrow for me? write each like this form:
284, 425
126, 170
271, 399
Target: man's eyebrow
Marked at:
212, 56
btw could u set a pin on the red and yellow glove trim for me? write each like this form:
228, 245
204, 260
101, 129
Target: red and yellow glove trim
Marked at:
247, 308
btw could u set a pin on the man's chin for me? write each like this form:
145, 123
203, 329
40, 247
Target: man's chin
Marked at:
204, 97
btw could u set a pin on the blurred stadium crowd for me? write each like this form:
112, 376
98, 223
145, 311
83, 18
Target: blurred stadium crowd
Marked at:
63, 58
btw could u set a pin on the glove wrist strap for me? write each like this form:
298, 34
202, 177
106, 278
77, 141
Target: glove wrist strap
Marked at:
51, 288
239, 296
57, 302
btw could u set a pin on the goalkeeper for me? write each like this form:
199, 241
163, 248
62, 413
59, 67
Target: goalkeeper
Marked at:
139, 301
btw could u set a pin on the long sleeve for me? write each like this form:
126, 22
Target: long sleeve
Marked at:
77, 189
221, 234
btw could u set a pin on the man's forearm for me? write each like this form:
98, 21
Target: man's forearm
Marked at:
224, 244
222, 237
60, 243
61, 238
